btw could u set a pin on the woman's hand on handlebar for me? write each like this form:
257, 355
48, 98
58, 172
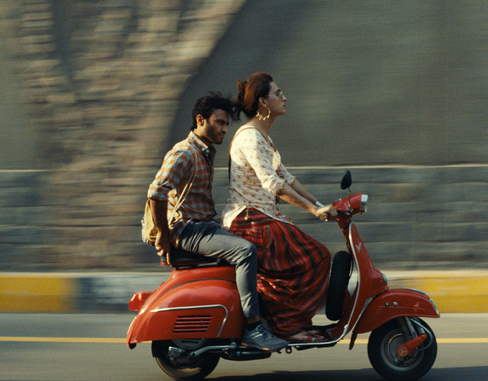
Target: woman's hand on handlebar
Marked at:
326, 213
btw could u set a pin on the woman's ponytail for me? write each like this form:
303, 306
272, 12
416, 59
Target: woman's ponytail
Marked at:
249, 92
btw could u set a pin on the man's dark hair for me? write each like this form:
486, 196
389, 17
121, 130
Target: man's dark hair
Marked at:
206, 105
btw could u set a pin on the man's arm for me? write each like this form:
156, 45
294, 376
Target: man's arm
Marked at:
175, 164
159, 212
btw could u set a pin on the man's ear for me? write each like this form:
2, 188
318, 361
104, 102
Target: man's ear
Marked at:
199, 118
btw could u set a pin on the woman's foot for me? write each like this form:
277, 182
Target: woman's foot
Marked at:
320, 330
306, 337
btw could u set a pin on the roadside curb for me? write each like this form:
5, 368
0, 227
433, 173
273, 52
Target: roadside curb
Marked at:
452, 291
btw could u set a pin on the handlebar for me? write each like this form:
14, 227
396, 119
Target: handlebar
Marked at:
355, 204
348, 207
325, 216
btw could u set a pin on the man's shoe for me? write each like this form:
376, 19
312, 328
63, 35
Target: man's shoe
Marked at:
262, 338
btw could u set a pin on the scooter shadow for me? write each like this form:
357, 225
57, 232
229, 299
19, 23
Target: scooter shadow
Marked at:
479, 373
322, 375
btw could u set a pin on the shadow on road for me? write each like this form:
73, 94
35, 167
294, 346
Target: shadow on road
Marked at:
469, 373
335, 375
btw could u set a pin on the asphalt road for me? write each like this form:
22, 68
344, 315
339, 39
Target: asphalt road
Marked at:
38, 347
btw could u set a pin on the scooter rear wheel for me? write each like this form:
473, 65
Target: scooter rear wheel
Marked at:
382, 352
190, 370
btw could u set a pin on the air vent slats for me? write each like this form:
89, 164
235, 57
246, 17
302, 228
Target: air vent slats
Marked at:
192, 324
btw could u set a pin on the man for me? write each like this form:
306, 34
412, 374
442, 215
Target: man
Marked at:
183, 188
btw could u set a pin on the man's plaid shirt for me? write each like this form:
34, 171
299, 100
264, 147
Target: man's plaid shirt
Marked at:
175, 173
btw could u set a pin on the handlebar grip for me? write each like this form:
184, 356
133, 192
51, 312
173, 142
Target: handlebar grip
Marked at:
324, 216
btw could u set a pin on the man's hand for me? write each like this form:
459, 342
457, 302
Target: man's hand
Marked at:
163, 245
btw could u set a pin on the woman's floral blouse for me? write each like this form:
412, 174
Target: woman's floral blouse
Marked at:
256, 176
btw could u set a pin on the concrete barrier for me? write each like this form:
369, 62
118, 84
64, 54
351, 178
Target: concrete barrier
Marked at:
457, 292
452, 291
38, 293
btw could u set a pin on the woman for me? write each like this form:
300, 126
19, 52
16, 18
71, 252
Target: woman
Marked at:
293, 267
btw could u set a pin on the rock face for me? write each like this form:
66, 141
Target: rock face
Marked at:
101, 80
90, 92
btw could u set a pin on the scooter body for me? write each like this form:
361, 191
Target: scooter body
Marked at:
372, 303
195, 317
201, 302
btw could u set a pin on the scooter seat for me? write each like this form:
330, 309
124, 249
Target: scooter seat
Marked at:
186, 258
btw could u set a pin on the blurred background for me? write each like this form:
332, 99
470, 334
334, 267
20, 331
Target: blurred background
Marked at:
94, 92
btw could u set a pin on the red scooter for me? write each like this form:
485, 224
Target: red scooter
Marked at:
195, 318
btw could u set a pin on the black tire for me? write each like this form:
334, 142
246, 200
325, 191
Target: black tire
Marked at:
382, 352
339, 278
198, 369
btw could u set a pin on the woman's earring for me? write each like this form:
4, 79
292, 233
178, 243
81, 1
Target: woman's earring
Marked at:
260, 117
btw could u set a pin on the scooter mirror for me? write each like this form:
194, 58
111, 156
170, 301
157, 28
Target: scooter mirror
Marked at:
346, 180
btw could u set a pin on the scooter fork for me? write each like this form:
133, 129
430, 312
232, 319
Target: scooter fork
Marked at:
407, 328
410, 333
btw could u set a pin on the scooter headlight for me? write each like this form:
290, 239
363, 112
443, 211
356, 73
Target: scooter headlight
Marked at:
364, 201
384, 278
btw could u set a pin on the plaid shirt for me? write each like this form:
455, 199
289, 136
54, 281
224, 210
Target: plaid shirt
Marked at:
175, 173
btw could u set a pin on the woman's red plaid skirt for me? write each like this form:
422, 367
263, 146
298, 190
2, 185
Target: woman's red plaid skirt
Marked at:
293, 270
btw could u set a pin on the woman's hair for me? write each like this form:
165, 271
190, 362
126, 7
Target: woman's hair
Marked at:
249, 92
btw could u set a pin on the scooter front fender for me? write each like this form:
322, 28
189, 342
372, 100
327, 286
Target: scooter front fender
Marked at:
393, 304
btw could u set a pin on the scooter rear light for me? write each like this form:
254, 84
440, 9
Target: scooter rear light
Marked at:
138, 299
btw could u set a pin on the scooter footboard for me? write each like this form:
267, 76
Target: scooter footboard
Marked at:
393, 304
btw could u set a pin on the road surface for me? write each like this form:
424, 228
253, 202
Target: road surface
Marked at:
91, 347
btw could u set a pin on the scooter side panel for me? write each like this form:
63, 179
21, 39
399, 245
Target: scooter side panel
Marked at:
393, 304
206, 308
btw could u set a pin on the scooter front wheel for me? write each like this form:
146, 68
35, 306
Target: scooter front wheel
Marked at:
183, 368
382, 352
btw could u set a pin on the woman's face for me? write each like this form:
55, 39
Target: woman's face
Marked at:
276, 100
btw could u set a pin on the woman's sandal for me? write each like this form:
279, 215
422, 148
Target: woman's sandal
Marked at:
305, 337
319, 330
